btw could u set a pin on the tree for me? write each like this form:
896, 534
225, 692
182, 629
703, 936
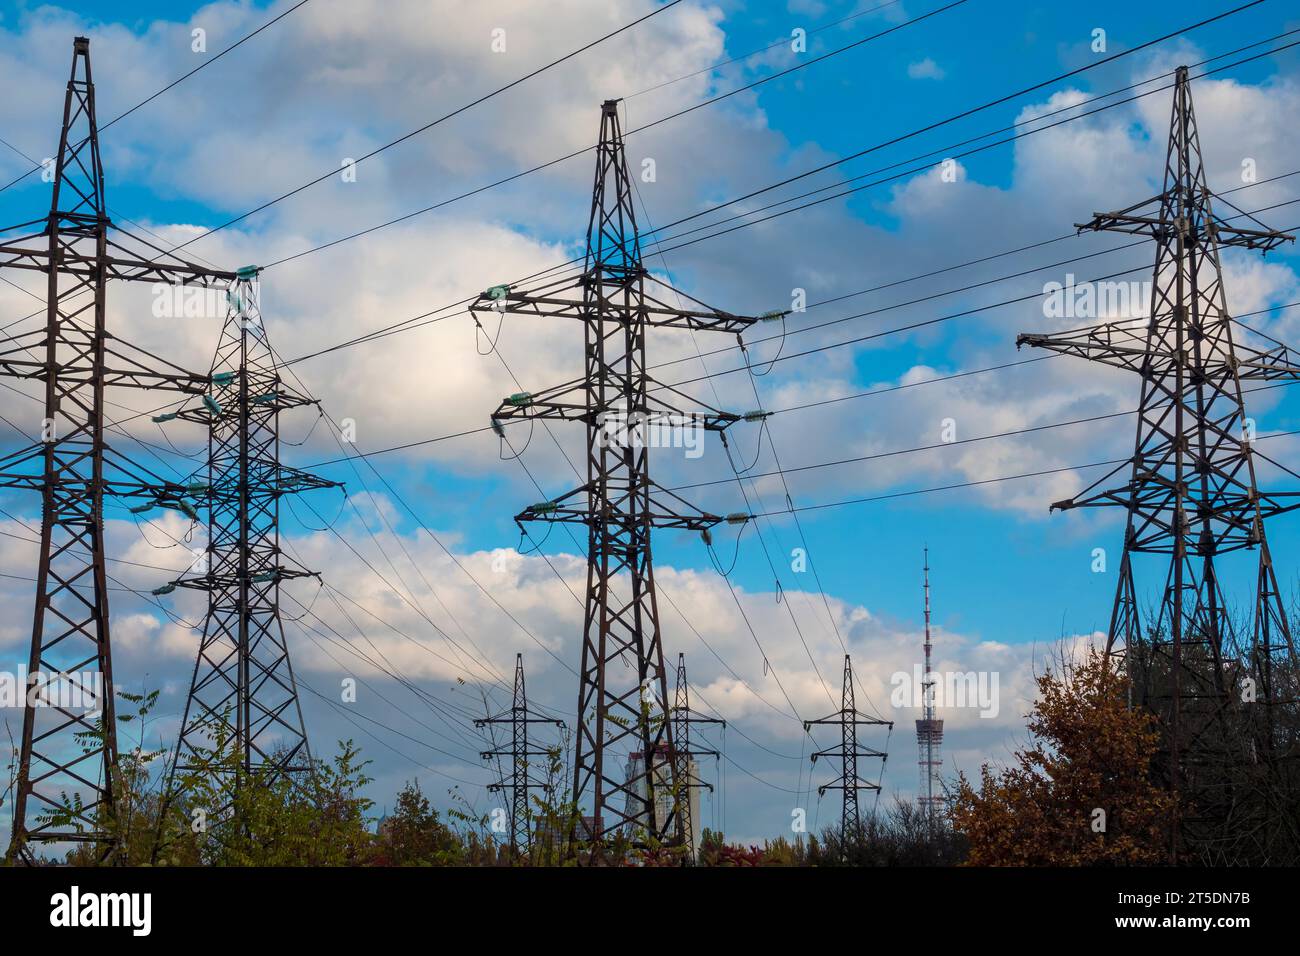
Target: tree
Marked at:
1083, 793
413, 834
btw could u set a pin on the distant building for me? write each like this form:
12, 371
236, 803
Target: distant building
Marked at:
663, 792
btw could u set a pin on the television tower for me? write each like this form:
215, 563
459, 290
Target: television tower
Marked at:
929, 729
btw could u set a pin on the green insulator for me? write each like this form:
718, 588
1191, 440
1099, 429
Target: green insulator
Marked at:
544, 508
211, 404
755, 416
197, 487
141, 509
737, 517
248, 272
263, 577
165, 589
265, 397
520, 399
773, 315
223, 378
164, 417
184, 507
497, 292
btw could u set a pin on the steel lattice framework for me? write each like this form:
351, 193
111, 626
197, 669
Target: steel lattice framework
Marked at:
684, 755
618, 302
1191, 493
67, 756
848, 718
243, 714
520, 778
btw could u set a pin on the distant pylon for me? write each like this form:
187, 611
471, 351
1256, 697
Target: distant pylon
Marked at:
687, 766
623, 689
1190, 493
848, 719
243, 713
929, 729
519, 780
68, 755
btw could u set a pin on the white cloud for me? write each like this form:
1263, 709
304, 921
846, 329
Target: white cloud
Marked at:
925, 69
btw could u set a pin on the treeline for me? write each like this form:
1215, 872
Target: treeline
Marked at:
1102, 780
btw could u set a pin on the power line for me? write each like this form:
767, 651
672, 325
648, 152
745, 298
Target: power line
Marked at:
432, 315
428, 126
174, 83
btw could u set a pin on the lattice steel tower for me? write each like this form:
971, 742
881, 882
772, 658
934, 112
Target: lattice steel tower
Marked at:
520, 780
243, 714
1190, 493
67, 756
620, 708
688, 774
848, 718
929, 729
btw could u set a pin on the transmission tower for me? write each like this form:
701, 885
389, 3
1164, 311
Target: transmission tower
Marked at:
687, 770
64, 786
1190, 492
618, 302
242, 714
848, 719
521, 781
929, 729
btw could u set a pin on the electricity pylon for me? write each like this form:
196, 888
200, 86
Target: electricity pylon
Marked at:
68, 757
688, 778
848, 718
618, 302
1190, 493
243, 714
521, 780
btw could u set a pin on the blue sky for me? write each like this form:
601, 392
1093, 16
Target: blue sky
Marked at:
335, 80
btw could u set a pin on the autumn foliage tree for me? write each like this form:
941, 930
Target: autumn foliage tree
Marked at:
1082, 793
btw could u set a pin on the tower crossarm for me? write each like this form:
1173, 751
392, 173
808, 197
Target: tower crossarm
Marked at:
74, 254
667, 510
124, 365
568, 402
565, 299
1149, 218
1126, 344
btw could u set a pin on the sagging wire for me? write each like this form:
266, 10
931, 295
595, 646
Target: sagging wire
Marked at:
320, 414
186, 538
536, 548
491, 339
707, 537
758, 450
744, 350
502, 443
307, 608
171, 444
328, 525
